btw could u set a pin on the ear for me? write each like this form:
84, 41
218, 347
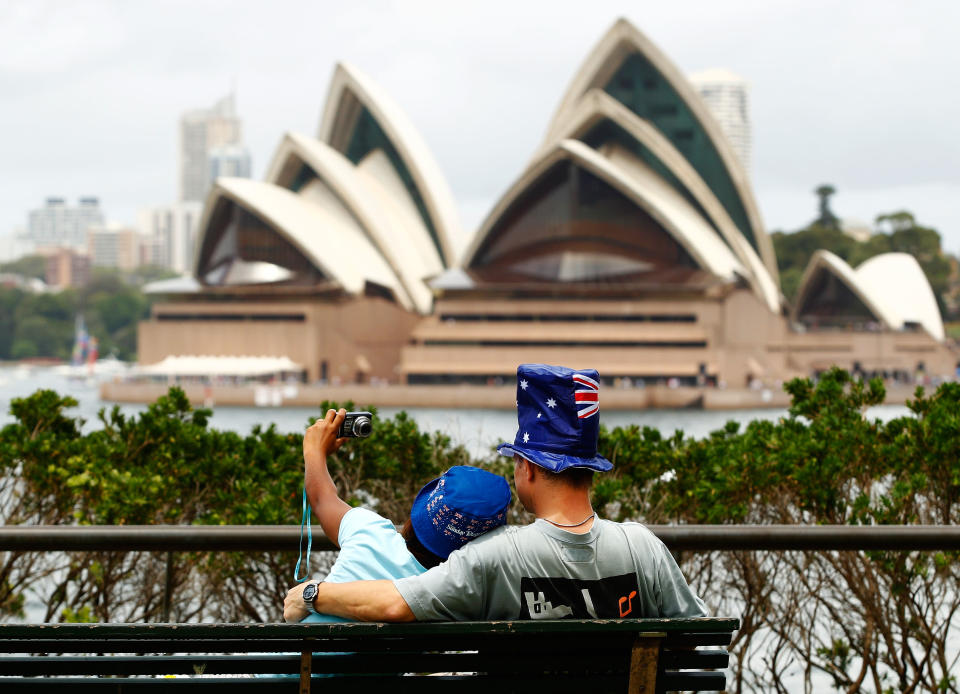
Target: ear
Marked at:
528, 470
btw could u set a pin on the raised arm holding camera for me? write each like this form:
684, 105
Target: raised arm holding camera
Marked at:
460, 505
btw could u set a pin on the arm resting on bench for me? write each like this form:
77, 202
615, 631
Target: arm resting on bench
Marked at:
362, 601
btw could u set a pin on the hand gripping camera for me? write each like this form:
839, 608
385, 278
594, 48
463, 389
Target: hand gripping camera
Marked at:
356, 425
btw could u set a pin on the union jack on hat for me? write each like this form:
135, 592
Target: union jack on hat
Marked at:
587, 395
558, 413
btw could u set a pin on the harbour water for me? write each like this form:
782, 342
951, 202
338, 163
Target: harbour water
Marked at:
479, 430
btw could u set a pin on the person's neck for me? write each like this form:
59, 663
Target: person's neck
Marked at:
570, 511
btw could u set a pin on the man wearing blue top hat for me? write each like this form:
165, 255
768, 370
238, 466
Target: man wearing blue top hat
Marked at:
568, 563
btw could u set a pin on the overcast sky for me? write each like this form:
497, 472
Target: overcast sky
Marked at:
863, 95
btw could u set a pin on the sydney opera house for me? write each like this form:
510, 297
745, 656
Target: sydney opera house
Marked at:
632, 242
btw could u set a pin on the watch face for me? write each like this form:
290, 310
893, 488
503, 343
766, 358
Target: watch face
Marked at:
310, 592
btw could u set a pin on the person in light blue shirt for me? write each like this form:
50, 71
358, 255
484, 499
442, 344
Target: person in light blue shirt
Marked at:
460, 505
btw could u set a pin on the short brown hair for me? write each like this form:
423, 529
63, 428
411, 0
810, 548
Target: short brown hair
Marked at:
571, 477
574, 477
423, 555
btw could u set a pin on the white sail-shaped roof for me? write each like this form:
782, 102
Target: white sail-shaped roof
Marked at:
393, 229
826, 262
892, 286
642, 186
897, 281
329, 240
351, 97
681, 108
597, 106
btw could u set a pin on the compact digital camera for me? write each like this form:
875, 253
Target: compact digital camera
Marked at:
356, 425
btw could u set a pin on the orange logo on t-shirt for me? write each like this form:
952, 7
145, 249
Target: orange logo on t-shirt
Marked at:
629, 600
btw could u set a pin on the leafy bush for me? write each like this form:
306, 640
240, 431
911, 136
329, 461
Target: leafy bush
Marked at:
863, 620
167, 466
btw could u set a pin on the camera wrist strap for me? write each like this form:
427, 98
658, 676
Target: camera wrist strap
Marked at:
304, 520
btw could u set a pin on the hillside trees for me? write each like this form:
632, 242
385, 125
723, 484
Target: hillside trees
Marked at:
28, 266
43, 325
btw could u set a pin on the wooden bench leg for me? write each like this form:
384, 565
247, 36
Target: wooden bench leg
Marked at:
306, 665
644, 658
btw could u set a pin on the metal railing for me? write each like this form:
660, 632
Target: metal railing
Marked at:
274, 538
278, 538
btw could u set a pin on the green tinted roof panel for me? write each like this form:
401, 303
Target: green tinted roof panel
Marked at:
368, 136
608, 132
639, 86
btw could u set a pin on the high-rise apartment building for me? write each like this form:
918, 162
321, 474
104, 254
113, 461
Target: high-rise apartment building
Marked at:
114, 246
168, 233
66, 267
727, 95
201, 132
59, 225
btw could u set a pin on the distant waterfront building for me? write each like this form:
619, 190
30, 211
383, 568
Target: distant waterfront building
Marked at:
114, 246
168, 234
67, 267
201, 132
856, 229
631, 242
59, 225
728, 97
345, 231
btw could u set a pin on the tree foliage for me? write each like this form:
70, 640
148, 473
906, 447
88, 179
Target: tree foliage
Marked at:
43, 325
167, 466
865, 621
28, 266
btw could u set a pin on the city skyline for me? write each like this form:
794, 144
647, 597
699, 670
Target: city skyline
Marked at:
821, 77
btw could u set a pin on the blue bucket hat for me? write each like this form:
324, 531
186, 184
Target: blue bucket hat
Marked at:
558, 410
461, 504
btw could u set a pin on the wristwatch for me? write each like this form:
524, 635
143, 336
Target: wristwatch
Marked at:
310, 595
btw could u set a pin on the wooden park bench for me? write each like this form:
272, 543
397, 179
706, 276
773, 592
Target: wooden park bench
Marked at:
590, 656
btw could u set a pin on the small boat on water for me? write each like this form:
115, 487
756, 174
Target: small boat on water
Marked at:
84, 362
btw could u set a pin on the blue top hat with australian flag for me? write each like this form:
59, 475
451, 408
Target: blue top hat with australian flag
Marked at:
558, 413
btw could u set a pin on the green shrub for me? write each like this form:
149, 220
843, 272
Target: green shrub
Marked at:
864, 620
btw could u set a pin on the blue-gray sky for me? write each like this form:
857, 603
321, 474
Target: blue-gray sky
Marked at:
859, 94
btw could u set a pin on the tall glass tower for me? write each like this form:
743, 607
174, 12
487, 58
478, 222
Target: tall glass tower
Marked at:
727, 95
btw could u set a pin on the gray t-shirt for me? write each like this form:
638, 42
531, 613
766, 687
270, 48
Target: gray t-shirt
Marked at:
539, 571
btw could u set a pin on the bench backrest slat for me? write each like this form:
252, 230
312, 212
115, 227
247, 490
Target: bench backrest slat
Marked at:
692, 681
700, 659
567, 655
